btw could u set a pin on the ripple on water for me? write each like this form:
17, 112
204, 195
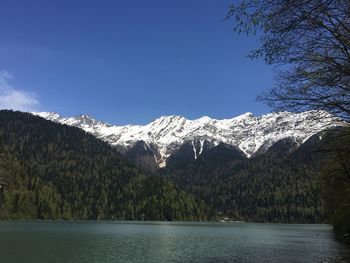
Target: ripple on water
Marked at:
168, 242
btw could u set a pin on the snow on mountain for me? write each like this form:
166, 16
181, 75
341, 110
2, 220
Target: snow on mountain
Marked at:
166, 134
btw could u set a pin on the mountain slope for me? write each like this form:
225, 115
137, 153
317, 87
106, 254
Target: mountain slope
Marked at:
164, 136
58, 171
278, 186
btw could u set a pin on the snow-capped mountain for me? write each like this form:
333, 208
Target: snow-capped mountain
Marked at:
167, 134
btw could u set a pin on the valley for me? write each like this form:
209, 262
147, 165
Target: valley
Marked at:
58, 170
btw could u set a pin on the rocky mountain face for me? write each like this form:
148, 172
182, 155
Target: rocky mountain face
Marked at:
154, 144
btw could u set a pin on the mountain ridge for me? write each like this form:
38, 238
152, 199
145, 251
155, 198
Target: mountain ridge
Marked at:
166, 134
55, 171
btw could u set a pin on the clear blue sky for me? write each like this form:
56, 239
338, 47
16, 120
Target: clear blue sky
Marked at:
128, 61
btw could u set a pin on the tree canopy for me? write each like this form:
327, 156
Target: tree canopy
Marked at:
309, 41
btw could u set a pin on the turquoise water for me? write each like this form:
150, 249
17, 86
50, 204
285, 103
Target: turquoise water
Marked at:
44, 241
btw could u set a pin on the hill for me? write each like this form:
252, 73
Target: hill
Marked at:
58, 171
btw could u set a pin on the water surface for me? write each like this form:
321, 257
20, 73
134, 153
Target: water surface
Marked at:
44, 241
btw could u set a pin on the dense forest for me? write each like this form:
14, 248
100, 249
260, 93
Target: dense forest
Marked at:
55, 171
273, 187
335, 181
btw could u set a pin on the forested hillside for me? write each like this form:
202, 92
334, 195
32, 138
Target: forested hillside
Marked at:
279, 186
57, 171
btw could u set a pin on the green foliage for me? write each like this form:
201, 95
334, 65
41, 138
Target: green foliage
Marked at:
335, 181
341, 218
61, 172
268, 188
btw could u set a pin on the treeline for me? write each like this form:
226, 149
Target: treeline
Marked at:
55, 171
335, 181
274, 187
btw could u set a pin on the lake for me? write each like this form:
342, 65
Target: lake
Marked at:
44, 241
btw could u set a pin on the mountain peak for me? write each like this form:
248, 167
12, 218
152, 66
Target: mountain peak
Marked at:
167, 134
246, 115
204, 119
83, 116
169, 118
47, 115
85, 119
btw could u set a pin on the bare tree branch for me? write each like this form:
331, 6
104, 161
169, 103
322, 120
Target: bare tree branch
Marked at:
310, 41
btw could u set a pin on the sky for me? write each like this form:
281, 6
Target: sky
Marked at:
128, 61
